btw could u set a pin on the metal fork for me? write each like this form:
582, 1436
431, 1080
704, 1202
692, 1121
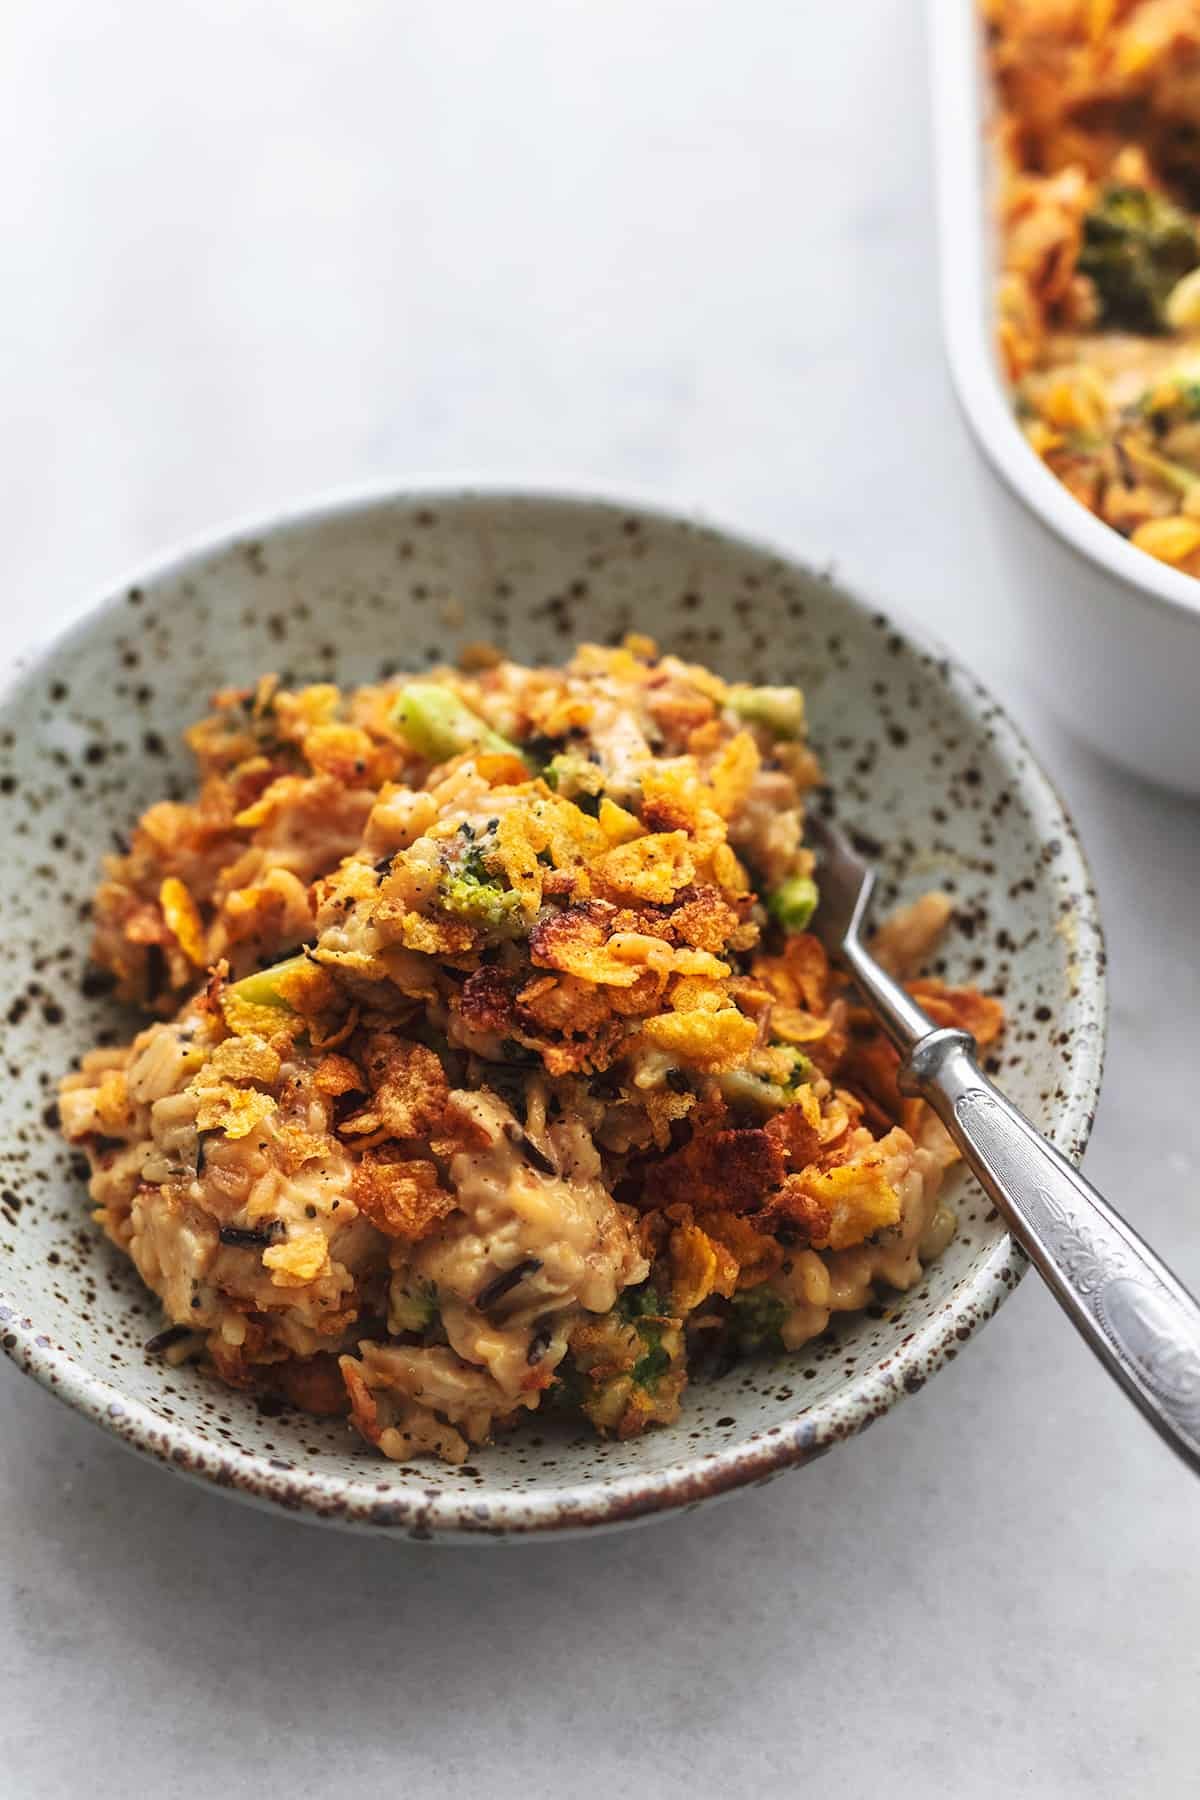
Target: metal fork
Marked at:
1141, 1322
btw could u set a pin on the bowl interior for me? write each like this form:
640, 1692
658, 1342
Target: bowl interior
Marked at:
918, 756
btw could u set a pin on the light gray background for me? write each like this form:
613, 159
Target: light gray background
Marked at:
681, 247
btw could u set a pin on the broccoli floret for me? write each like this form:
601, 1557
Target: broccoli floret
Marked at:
1174, 401
473, 865
414, 1308
1136, 246
265, 987
1173, 475
656, 1361
635, 1368
483, 903
471, 892
577, 779
754, 1094
439, 725
643, 1308
794, 902
756, 1319
780, 709
639, 1303
803, 1070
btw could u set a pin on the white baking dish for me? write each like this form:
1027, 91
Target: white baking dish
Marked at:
1112, 636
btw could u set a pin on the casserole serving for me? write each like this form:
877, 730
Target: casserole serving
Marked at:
915, 752
1112, 636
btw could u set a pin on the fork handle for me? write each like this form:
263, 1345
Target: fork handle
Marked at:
1141, 1322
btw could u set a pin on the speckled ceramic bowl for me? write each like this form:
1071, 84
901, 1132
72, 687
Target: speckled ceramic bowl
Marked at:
919, 755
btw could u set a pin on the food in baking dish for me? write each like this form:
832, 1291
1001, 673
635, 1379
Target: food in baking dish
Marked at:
493, 1068
1097, 140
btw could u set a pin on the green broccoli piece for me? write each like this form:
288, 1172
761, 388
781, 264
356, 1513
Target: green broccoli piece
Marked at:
439, 725
803, 1070
1170, 403
780, 709
756, 1320
263, 988
754, 1094
473, 863
577, 779
469, 890
794, 902
657, 1360
635, 1303
414, 1308
483, 903
1172, 474
643, 1308
604, 1397
1136, 246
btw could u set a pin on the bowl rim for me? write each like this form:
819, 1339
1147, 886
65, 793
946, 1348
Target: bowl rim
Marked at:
958, 92
427, 1514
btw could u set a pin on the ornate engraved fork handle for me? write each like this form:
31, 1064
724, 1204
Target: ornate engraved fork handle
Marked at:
1138, 1319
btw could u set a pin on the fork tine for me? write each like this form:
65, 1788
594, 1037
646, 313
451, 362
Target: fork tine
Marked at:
846, 881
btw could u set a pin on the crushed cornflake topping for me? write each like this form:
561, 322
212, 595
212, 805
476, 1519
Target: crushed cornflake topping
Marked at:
487, 1073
